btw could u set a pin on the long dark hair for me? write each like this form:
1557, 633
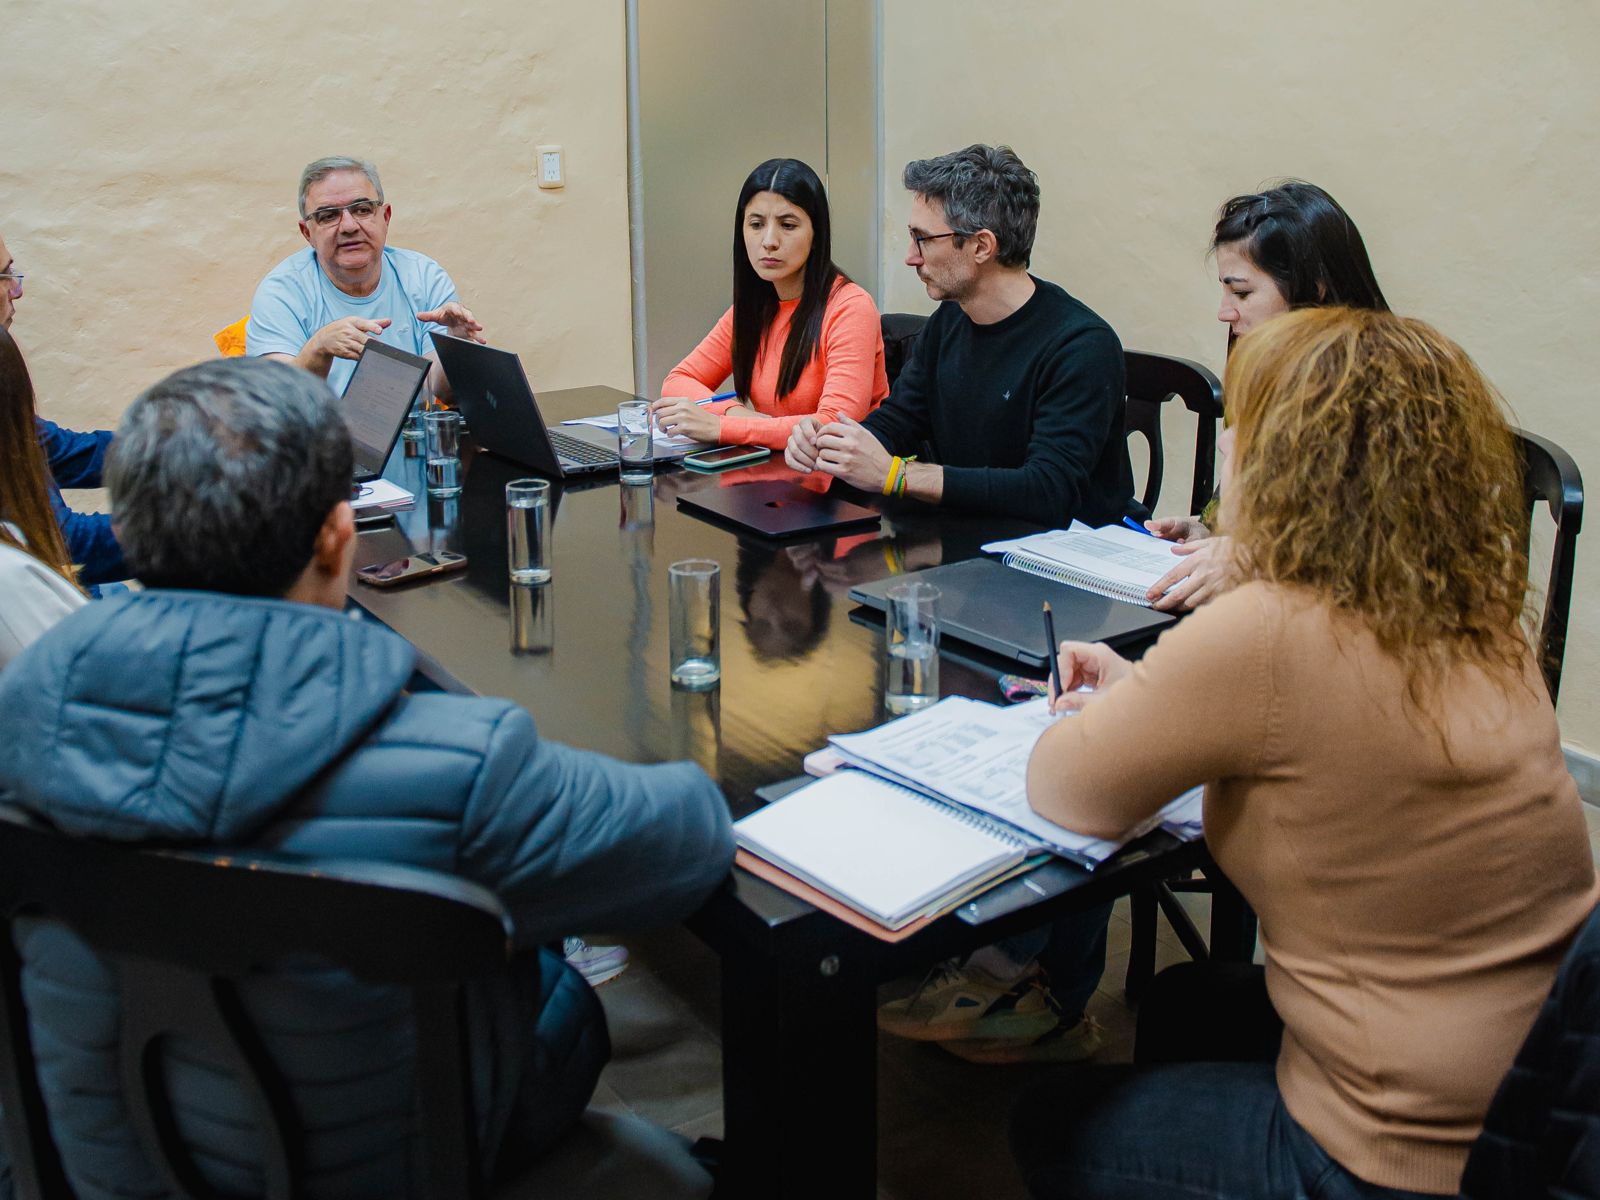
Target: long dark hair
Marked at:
1298, 234
24, 473
755, 301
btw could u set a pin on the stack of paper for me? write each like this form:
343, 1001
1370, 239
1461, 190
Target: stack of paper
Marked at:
660, 441
881, 849
976, 755
379, 495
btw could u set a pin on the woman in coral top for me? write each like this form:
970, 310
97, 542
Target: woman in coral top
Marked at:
1387, 790
800, 339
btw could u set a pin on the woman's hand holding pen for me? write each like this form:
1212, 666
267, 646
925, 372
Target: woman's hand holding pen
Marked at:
1087, 670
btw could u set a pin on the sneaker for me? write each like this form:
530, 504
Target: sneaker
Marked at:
967, 1002
597, 964
1063, 1044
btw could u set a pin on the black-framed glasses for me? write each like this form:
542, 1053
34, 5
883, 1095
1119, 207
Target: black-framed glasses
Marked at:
919, 238
362, 210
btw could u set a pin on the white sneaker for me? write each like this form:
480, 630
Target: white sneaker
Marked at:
956, 1003
597, 964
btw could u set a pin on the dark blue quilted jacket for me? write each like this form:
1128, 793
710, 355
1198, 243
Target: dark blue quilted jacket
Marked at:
191, 717
1541, 1137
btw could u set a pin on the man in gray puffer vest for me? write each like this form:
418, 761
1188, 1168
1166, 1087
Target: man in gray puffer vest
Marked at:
234, 703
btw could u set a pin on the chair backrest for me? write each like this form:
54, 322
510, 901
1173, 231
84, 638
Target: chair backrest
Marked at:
1550, 476
1153, 379
900, 332
184, 927
230, 338
1541, 1135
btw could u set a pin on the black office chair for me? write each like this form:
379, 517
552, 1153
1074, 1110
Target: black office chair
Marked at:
1153, 379
1541, 1137
900, 332
182, 927
1549, 475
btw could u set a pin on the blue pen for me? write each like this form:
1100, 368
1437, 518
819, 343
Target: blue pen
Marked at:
1132, 524
718, 396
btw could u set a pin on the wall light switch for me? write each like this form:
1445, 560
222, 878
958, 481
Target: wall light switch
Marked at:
551, 173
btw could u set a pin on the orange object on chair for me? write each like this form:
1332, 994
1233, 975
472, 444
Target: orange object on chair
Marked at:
230, 340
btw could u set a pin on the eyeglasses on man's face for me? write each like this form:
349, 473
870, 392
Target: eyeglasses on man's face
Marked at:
362, 210
12, 281
920, 238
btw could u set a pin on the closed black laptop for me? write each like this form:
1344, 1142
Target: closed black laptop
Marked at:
997, 608
776, 509
381, 391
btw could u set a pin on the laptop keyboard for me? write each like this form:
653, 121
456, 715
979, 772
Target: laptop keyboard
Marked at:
581, 451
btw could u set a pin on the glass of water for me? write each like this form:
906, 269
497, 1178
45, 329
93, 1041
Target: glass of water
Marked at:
443, 439
633, 441
528, 530
411, 431
912, 663
695, 616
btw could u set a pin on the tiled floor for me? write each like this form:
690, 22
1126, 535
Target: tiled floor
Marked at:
941, 1121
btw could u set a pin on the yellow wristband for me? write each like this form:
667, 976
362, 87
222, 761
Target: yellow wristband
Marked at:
895, 466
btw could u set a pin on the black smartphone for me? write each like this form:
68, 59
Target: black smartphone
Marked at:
418, 566
724, 457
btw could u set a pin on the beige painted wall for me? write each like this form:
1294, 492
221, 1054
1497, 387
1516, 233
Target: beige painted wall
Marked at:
149, 156
1461, 136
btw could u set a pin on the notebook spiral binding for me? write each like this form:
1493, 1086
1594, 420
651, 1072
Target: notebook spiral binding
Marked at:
1078, 579
999, 830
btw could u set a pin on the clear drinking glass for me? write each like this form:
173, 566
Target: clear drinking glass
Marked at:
912, 662
695, 617
411, 431
528, 530
633, 441
443, 439
533, 619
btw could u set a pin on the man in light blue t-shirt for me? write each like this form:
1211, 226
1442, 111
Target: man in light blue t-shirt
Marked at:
317, 308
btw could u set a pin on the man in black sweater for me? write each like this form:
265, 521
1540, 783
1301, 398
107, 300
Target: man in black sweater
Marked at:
1016, 386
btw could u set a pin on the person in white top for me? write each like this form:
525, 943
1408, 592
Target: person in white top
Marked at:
37, 579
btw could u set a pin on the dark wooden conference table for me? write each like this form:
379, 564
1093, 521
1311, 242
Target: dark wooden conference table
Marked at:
586, 654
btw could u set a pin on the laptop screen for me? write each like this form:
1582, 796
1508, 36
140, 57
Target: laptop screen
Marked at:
377, 398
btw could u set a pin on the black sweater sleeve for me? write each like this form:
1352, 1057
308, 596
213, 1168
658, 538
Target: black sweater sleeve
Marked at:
1078, 395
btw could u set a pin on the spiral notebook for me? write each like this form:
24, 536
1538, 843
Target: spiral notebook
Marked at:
887, 852
1110, 561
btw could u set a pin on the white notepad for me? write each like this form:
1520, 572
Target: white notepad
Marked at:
1110, 561
884, 850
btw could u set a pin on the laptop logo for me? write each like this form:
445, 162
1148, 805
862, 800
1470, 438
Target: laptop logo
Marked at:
489, 396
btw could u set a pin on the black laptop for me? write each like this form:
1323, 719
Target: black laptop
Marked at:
381, 391
998, 608
776, 509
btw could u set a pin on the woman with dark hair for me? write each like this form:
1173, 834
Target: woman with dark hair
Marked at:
37, 579
1386, 724
800, 339
1291, 246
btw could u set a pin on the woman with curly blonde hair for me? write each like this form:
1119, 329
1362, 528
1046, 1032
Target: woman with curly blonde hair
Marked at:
1386, 729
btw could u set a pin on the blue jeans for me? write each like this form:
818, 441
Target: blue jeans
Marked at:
1187, 1131
1199, 1116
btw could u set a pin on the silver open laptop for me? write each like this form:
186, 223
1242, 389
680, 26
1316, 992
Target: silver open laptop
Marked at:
381, 391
